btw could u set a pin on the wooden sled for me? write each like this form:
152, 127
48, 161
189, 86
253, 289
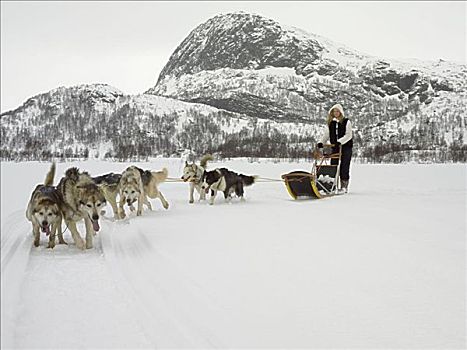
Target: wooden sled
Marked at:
322, 181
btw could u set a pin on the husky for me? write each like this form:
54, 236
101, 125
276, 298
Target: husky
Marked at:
44, 211
194, 174
81, 200
226, 181
137, 185
109, 185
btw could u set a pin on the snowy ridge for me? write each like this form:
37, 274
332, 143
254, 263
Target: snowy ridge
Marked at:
453, 72
98, 93
85, 122
340, 53
162, 105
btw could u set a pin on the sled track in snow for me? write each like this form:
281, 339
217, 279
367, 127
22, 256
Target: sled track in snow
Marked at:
131, 256
14, 234
15, 252
152, 280
82, 286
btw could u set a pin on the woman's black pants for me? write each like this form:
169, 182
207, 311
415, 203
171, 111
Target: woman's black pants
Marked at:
345, 162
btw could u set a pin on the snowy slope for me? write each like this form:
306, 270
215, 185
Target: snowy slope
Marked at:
383, 267
94, 121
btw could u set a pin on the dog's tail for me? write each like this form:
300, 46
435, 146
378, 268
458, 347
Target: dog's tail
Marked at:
204, 160
248, 180
162, 175
49, 179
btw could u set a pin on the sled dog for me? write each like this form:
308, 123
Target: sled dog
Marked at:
137, 185
43, 211
109, 185
226, 181
194, 174
81, 200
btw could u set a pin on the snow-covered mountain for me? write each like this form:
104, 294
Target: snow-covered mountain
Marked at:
243, 42
100, 121
244, 85
252, 65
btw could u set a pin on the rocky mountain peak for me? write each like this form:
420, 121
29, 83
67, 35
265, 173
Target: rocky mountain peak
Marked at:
240, 41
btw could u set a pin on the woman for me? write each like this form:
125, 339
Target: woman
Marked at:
339, 132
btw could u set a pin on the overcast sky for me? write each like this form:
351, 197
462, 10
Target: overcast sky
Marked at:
126, 44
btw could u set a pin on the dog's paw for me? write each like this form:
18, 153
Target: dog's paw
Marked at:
88, 245
191, 201
80, 244
139, 213
36, 243
51, 245
166, 205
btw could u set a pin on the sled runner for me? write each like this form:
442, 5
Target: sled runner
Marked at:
323, 180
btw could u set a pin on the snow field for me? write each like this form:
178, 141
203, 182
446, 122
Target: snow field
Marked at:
382, 267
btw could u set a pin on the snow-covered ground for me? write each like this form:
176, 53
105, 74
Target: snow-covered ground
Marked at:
381, 267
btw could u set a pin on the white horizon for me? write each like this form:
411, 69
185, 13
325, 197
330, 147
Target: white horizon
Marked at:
47, 45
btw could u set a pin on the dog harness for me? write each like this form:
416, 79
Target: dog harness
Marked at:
218, 183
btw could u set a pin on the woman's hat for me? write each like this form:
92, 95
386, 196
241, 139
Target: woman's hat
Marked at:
338, 106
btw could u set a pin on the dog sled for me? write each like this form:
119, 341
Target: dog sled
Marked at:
323, 180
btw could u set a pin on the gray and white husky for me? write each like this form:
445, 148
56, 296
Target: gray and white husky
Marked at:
194, 174
82, 200
137, 184
44, 211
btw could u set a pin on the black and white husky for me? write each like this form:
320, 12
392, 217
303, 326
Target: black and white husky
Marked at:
226, 181
109, 185
194, 174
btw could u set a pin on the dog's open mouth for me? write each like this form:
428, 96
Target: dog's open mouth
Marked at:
130, 201
46, 229
95, 225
